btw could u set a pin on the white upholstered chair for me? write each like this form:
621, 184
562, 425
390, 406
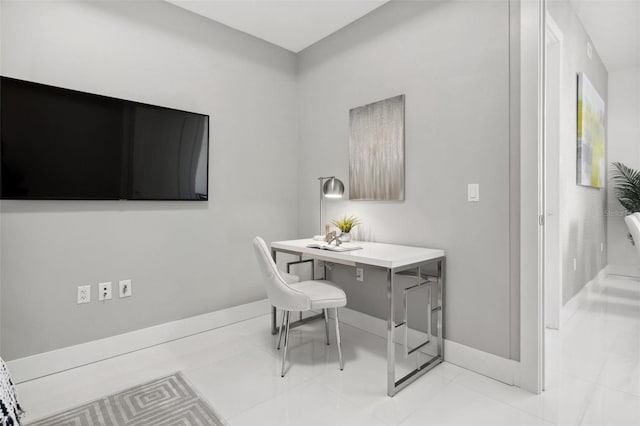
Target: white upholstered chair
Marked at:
301, 297
289, 278
633, 223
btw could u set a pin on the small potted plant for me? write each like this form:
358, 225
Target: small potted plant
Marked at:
345, 225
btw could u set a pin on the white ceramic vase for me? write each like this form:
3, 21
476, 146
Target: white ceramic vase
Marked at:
345, 237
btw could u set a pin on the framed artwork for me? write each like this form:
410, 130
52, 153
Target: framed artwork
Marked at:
591, 159
376, 151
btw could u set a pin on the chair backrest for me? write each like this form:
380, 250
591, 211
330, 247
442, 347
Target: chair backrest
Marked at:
633, 223
280, 294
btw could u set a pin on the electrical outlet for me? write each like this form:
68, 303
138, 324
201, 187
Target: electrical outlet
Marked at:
125, 288
104, 291
84, 294
575, 264
359, 274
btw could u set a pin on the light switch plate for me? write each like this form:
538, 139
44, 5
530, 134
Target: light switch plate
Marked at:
473, 192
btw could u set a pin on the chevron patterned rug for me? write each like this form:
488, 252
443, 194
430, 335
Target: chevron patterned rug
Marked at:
169, 401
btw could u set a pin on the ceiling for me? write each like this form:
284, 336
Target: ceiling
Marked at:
293, 25
613, 25
614, 28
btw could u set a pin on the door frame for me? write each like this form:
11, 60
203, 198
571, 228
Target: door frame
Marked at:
532, 39
554, 44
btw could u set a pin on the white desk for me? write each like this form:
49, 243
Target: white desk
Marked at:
394, 259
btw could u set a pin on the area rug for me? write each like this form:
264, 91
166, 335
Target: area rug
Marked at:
168, 401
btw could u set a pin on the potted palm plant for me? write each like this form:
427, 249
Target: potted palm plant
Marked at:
345, 225
626, 184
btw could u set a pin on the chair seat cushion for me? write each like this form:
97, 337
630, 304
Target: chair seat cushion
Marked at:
323, 294
289, 278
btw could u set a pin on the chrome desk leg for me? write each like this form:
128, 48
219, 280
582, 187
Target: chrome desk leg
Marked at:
391, 349
274, 326
429, 312
325, 312
299, 261
284, 315
286, 344
440, 294
393, 386
338, 340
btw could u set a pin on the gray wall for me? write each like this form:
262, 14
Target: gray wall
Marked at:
451, 60
582, 209
624, 146
184, 258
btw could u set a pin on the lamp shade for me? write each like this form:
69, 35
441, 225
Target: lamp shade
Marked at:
333, 188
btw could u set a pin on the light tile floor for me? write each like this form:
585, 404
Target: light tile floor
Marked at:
593, 376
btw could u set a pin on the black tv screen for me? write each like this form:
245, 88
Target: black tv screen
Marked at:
65, 144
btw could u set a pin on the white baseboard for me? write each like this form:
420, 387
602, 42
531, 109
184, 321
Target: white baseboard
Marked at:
32, 367
35, 366
590, 289
485, 363
624, 270
498, 368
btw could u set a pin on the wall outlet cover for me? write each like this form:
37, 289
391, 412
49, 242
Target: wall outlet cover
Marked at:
104, 291
84, 294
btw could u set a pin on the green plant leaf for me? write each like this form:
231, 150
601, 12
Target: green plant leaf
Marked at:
626, 186
347, 223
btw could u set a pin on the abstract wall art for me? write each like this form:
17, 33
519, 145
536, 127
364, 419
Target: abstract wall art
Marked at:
376, 151
591, 135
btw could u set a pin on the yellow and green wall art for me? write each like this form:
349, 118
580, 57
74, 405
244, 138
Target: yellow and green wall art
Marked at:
591, 159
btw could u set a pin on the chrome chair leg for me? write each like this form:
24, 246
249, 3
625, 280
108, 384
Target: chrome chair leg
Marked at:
286, 344
284, 315
339, 344
326, 323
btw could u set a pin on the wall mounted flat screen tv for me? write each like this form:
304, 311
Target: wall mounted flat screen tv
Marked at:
68, 145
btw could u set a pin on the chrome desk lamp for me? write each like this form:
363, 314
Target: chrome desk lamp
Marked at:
330, 187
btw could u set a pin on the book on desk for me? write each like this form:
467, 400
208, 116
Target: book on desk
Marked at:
326, 246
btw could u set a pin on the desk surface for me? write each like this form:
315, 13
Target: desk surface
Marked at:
376, 254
